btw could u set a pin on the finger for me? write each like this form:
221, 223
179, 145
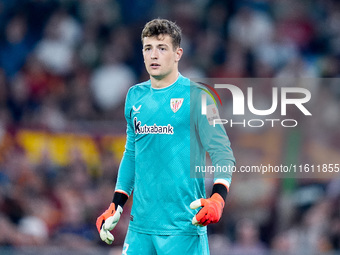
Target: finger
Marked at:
112, 221
109, 238
106, 236
201, 214
206, 223
194, 221
196, 204
203, 219
103, 234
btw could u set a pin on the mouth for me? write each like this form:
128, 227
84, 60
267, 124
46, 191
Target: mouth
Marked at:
155, 65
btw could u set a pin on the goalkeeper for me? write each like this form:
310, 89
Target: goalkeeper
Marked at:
166, 137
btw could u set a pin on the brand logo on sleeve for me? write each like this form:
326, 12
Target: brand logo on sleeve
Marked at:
176, 103
136, 109
155, 129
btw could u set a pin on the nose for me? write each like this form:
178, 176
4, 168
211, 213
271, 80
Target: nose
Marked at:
154, 54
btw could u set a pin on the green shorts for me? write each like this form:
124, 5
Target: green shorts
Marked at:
146, 244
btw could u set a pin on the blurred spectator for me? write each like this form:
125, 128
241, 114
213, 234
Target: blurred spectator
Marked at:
79, 102
250, 28
332, 26
68, 27
51, 116
277, 51
73, 231
55, 50
19, 102
298, 67
5, 114
15, 47
309, 235
34, 226
101, 13
111, 81
89, 50
219, 244
40, 82
247, 239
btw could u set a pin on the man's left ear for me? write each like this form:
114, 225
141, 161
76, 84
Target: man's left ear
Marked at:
179, 53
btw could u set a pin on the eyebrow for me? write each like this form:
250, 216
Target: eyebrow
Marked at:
158, 45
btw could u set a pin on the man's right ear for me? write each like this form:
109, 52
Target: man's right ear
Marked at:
179, 53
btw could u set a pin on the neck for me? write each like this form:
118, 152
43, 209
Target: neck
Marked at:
162, 82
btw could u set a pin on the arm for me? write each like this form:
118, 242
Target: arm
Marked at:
216, 142
125, 183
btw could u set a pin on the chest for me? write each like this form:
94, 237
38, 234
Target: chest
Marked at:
161, 113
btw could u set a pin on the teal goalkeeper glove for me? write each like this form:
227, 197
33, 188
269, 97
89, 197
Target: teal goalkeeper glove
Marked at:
107, 221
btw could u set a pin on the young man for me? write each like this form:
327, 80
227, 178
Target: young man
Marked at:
166, 137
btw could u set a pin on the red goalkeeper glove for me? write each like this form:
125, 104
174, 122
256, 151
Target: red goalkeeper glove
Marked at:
107, 221
210, 212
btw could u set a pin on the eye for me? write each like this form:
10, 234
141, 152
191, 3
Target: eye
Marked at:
147, 49
162, 48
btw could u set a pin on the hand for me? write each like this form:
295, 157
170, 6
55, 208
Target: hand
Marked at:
107, 221
210, 212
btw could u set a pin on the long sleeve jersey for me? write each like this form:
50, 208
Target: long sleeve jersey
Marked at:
167, 137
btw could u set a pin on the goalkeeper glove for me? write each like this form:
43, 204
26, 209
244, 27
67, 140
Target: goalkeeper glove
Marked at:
107, 221
210, 212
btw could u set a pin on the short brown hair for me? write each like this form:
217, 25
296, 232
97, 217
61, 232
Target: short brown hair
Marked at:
157, 27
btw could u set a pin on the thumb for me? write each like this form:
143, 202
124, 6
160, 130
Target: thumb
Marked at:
106, 236
112, 221
197, 203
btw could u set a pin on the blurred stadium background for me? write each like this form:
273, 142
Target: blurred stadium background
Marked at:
65, 67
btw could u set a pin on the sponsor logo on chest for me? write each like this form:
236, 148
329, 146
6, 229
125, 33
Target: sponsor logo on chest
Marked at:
154, 129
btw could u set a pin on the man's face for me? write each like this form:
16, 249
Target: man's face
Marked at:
160, 58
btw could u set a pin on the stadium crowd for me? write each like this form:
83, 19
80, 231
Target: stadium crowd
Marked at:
67, 65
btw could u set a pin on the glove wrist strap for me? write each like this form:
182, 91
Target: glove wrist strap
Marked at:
119, 198
221, 190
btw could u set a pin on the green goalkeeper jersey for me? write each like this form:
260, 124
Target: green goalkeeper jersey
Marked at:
167, 137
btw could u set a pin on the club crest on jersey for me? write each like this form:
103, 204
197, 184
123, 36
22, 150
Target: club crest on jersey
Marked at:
176, 103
